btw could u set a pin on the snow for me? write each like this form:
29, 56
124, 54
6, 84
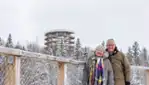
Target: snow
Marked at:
140, 67
138, 75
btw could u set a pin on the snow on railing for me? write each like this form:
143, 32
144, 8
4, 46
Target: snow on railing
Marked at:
30, 68
37, 69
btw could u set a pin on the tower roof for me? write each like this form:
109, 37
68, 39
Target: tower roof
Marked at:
59, 30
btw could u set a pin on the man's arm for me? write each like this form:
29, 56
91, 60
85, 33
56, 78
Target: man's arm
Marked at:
127, 69
110, 74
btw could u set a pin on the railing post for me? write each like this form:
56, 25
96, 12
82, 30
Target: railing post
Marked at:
61, 73
147, 77
18, 65
65, 74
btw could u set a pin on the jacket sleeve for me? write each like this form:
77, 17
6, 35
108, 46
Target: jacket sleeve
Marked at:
88, 65
110, 75
87, 72
127, 68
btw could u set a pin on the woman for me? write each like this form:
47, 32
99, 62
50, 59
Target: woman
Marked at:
100, 69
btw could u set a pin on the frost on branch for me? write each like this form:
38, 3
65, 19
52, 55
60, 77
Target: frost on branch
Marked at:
36, 71
138, 76
74, 75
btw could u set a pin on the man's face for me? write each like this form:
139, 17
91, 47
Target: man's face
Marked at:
99, 53
110, 47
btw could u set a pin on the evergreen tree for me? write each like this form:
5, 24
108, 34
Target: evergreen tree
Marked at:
85, 53
2, 43
58, 48
23, 48
62, 48
130, 56
77, 48
18, 46
130, 51
144, 52
9, 42
144, 56
136, 53
33, 47
47, 50
136, 49
103, 43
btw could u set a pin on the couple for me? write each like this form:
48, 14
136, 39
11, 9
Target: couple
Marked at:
108, 66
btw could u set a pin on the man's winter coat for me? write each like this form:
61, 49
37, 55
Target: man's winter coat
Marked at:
121, 68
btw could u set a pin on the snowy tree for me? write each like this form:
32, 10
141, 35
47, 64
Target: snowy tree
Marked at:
144, 52
138, 76
58, 48
65, 51
23, 48
47, 50
18, 46
103, 43
2, 42
130, 51
130, 55
62, 48
33, 47
136, 49
144, 56
9, 42
85, 53
77, 48
136, 53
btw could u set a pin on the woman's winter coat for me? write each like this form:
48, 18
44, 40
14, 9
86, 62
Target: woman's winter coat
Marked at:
108, 71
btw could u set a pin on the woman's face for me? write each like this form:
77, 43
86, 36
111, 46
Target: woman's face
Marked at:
110, 47
99, 53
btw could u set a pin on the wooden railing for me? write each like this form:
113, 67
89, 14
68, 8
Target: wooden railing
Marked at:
28, 68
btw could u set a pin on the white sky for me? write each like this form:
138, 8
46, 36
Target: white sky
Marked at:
92, 20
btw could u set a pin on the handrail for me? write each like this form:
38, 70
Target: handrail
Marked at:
22, 53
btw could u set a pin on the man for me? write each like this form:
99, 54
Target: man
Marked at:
120, 64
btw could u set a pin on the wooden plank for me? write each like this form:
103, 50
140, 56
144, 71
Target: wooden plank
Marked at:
10, 73
61, 74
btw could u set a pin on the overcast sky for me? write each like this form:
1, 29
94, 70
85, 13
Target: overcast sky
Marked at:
92, 20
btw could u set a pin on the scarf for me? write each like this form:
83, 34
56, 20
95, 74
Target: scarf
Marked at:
97, 72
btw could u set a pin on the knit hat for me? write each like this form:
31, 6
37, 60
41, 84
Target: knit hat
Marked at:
100, 48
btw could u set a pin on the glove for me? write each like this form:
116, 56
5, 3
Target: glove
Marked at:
127, 83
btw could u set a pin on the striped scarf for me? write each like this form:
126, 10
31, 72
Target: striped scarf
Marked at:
97, 72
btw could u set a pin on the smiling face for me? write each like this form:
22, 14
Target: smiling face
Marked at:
99, 53
111, 45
